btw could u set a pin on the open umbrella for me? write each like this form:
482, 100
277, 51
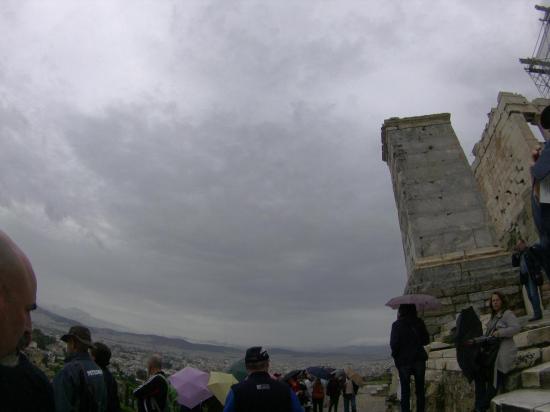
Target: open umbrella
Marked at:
292, 374
338, 373
320, 372
422, 302
355, 377
238, 370
220, 383
191, 385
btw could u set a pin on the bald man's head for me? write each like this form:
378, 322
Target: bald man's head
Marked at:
17, 295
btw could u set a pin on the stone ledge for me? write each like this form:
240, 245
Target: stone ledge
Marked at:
523, 400
533, 337
459, 257
531, 378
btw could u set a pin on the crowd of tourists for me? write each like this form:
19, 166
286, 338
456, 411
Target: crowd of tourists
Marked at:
485, 355
315, 394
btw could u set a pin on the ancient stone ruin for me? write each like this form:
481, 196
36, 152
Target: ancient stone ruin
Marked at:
458, 223
501, 166
449, 243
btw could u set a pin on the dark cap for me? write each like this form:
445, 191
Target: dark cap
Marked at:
80, 333
256, 354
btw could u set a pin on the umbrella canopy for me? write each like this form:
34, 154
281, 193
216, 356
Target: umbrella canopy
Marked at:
220, 383
238, 370
422, 302
191, 385
355, 377
320, 372
292, 374
338, 373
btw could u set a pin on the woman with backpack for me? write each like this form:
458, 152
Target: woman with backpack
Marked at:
408, 338
498, 351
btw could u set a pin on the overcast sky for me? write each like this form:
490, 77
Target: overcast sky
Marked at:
212, 169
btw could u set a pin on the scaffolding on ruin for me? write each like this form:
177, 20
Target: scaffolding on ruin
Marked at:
538, 66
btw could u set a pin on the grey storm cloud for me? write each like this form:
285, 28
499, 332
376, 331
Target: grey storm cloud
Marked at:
213, 169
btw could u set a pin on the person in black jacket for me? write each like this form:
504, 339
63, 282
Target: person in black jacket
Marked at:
333, 391
23, 387
259, 391
102, 356
153, 394
408, 338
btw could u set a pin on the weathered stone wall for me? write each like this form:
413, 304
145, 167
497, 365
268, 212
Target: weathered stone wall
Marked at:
440, 208
448, 240
463, 282
501, 166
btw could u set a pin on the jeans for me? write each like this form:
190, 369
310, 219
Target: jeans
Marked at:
485, 391
333, 403
542, 251
533, 293
418, 370
318, 405
349, 400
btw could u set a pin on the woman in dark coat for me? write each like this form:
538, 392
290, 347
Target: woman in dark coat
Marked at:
408, 338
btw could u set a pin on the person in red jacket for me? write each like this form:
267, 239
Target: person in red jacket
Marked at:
318, 395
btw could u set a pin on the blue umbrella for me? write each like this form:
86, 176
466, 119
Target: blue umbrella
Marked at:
320, 372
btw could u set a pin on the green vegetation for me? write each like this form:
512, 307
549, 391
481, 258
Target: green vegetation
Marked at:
41, 339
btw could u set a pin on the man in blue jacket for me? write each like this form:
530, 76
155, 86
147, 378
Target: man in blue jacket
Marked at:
541, 211
260, 392
79, 386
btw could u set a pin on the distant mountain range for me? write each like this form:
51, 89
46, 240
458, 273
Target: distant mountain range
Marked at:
57, 321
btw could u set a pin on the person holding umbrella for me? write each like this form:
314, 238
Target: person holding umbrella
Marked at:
408, 338
318, 395
260, 392
333, 392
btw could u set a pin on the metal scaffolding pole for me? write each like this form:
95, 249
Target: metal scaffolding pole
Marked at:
538, 66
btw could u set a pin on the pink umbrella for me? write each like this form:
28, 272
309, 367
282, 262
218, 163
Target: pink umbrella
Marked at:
422, 302
191, 385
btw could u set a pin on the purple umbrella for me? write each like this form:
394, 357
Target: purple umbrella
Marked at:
422, 302
191, 385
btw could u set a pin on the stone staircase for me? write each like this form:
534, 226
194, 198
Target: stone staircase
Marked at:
530, 382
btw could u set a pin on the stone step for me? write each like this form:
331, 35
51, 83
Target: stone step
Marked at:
536, 377
534, 337
522, 400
